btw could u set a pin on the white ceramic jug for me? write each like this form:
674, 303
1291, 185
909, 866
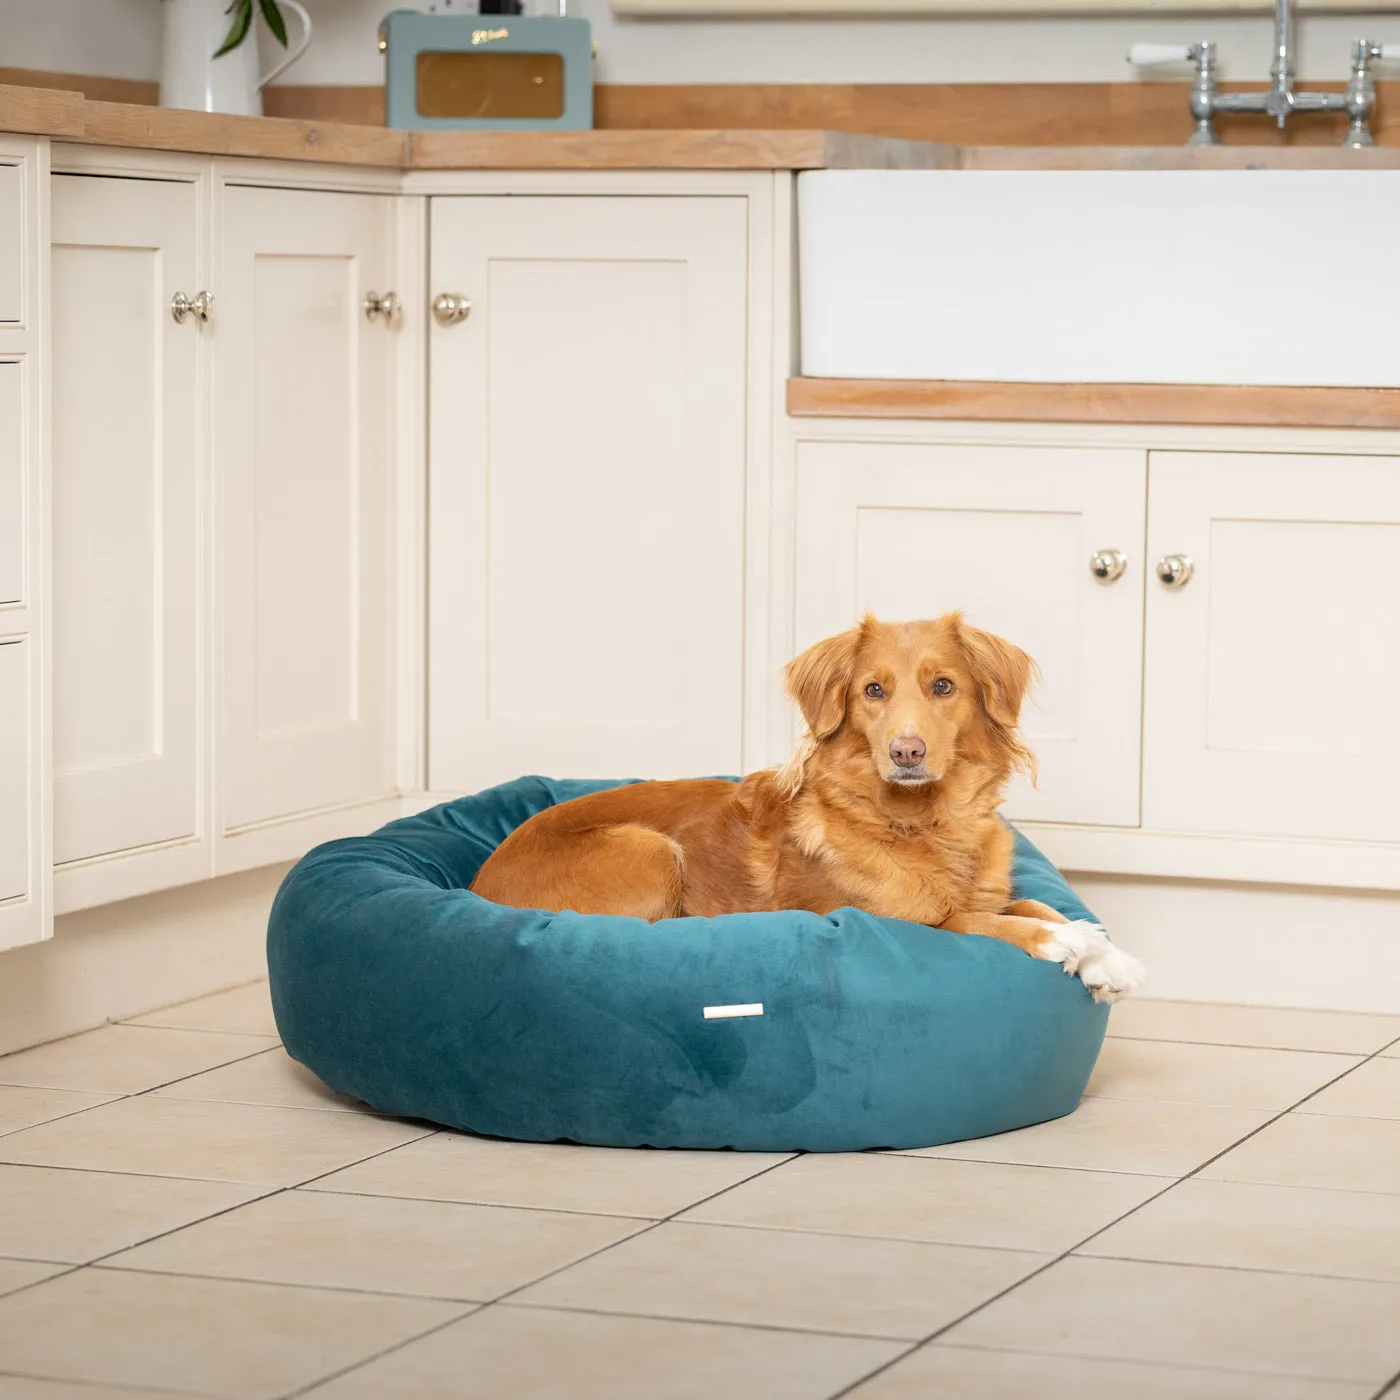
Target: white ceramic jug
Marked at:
190, 75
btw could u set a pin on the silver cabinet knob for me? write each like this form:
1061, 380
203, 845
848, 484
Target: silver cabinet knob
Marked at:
1175, 570
199, 306
450, 307
1108, 565
388, 306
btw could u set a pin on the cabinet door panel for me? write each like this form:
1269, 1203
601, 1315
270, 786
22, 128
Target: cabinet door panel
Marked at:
913, 530
587, 472
126, 585
304, 410
16, 776
13, 243
12, 482
1272, 673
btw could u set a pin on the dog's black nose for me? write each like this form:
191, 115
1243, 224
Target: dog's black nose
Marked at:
908, 750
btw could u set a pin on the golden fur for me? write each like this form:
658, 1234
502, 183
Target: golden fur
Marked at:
843, 822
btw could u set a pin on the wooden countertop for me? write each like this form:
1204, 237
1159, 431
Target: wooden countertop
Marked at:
669, 150
1207, 404
68, 116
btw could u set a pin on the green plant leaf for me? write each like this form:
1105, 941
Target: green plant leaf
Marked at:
274, 19
242, 12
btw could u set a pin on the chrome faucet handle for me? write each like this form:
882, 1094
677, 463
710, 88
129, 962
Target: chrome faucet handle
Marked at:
1360, 100
1205, 91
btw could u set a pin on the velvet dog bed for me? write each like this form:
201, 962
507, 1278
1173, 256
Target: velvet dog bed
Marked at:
767, 1032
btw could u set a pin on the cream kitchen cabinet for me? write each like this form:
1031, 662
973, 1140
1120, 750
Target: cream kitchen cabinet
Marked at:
221, 566
127, 554
1273, 670
25, 810
17, 778
587, 486
913, 529
13, 219
1233, 722
14, 481
304, 385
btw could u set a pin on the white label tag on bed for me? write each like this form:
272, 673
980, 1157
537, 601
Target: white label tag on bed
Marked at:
751, 1008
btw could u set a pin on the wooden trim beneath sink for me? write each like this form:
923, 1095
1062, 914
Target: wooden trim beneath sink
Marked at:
1207, 404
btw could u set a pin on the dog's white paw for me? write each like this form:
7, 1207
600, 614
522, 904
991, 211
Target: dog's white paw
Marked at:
1110, 973
1082, 948
1070, 944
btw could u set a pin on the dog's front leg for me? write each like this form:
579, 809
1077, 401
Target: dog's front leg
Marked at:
1034, 909
1080, 947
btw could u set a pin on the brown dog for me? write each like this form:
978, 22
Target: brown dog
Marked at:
889, 805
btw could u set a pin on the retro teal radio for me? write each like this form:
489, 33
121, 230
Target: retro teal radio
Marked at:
487, 72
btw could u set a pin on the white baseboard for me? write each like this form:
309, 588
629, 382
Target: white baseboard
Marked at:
1259, 945
119, 960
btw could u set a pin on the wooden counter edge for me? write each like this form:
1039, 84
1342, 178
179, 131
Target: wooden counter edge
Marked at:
28, 111
1205, 404
68, 116
689, 149
267, 138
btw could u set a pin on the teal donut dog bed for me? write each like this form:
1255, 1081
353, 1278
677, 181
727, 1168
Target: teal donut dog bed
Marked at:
394, 984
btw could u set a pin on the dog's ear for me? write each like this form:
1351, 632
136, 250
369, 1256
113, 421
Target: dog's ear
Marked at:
819, 679
1003, 673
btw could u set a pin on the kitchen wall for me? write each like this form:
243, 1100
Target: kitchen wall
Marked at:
121, 38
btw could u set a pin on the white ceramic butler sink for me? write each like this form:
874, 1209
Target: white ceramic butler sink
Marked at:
1170, 276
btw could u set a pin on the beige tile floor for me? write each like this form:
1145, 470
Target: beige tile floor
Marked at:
186, 1212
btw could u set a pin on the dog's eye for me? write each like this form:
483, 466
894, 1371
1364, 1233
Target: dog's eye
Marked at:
875, 690
943, 686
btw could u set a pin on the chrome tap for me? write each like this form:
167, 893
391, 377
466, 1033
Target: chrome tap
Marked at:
1282, 100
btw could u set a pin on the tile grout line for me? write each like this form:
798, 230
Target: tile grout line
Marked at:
86, 1108
267, 1195
470, 1310
122, 1025
1200, 1103
1235, 1045
783, 1328
651, 1225
101, 1258
972, 1312
1149, 1365
63, 1272
191, 1001
210, 1030
927, 1154
136, 1025
119, 1387
458, 1201
100, 1261
194, 1074
153, 1092
917, 1242
1234, 1268
120, 1096
148, 1272
1388, 1388
480, 1305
